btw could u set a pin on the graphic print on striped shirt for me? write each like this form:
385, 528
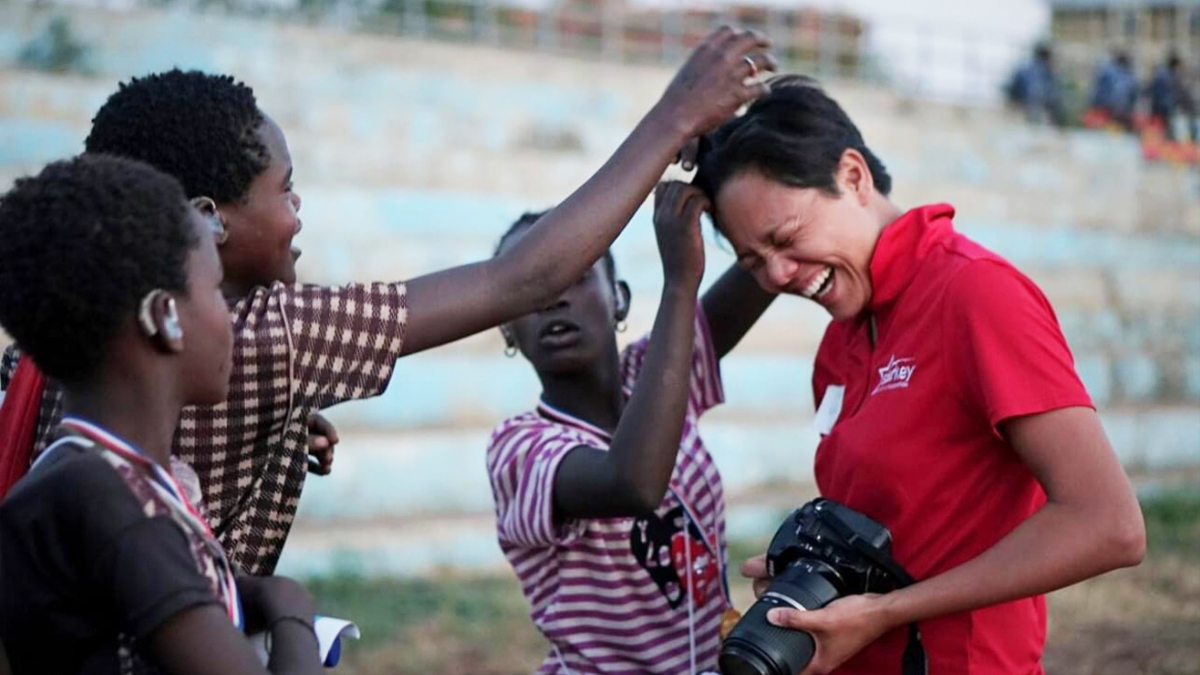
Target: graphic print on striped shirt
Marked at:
613, 595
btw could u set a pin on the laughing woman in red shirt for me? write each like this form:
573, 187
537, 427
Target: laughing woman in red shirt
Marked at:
953, 412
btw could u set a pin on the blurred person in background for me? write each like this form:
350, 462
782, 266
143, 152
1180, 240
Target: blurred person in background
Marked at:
1170, 96
1034, 89
1115, 91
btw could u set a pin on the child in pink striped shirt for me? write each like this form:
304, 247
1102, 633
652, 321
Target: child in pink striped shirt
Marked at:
608, 505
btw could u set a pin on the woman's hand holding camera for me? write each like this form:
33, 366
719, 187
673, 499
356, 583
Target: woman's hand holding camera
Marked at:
841, 629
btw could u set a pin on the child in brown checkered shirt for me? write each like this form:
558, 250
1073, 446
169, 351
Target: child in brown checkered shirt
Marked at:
300, 348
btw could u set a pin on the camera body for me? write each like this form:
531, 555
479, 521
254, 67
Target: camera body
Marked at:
823, 551
822, 534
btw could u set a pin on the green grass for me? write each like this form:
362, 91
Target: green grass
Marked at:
453, 625
741, 549
388, 606
1173, 520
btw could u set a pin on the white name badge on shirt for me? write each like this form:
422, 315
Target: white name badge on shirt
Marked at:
830, 408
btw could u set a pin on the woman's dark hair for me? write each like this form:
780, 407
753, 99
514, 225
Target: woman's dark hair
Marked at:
80, 244
200, 128
795, 135
529, 218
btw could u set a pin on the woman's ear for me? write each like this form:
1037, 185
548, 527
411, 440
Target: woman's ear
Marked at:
854, 176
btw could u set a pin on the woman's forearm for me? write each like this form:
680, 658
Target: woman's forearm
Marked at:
1060, 545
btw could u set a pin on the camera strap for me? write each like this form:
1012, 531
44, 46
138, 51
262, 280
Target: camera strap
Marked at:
914, 661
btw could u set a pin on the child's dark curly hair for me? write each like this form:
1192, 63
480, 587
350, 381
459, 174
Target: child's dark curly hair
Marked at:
80, 244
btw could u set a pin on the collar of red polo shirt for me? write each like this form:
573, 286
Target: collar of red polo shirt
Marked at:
903, 246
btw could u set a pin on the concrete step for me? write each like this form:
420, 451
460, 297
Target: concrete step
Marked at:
402, 475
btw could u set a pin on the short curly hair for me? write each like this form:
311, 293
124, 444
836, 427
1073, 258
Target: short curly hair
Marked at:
81, 243
794, 135
200, 128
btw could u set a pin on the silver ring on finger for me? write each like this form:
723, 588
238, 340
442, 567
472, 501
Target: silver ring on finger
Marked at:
753, 66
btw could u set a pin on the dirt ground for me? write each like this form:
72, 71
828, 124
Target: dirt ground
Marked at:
1140, 621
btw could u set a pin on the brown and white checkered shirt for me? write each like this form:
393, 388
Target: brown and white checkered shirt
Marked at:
297, 350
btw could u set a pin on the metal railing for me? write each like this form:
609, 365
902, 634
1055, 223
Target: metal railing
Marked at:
921, 60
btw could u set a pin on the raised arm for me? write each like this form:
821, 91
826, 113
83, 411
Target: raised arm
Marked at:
732, 305
631, 477
454, 303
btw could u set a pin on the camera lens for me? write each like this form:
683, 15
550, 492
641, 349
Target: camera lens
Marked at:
757, 647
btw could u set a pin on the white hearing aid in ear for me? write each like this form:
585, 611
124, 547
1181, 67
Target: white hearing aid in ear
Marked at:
145, 317
171, 328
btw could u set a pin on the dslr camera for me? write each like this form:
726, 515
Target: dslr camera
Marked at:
823, 551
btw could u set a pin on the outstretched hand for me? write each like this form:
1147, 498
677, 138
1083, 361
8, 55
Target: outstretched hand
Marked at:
717, 80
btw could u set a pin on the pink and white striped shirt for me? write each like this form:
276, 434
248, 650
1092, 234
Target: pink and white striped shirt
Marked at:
617, 595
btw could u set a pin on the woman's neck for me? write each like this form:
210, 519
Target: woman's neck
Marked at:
130, 408
886, 211
593, 395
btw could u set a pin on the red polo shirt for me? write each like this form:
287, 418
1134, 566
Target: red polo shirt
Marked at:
965, 341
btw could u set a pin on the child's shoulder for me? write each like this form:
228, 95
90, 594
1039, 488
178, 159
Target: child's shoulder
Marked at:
528, 422
60, 493
522, 436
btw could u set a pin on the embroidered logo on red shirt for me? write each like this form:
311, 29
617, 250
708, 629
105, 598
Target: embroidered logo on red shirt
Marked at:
895, 375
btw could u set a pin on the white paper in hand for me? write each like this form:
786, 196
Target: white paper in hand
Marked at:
330, 632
